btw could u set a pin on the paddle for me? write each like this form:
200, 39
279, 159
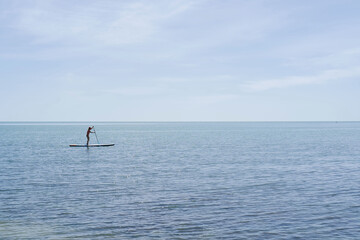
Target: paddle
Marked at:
96, 135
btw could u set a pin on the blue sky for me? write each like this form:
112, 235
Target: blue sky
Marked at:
161, 60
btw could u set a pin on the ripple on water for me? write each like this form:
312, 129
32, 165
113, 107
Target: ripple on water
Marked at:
182, 181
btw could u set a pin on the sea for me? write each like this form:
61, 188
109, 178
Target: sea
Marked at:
180, 180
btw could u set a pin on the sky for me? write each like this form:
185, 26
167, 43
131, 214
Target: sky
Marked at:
179, 60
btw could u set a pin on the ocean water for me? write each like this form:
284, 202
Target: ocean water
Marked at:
266, 180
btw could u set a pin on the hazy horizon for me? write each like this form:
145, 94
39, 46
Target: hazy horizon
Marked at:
100, 122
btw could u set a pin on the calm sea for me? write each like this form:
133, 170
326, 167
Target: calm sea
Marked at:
274, 180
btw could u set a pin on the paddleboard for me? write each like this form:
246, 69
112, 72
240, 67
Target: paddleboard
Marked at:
92, 145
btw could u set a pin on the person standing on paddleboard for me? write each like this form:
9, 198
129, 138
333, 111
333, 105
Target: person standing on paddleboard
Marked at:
88, 134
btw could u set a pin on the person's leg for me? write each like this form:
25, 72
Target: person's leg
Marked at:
87, 143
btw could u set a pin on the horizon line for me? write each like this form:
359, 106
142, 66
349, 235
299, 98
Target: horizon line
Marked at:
174, 121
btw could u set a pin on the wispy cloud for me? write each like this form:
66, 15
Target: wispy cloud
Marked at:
341, 58
211, 99
328, 75
135, 91
178, 28
97, 23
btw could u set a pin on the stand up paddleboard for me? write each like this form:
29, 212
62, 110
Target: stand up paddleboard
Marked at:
92, 145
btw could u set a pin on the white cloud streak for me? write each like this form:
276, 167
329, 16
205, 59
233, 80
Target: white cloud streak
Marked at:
135, 91
107, 24
328, 75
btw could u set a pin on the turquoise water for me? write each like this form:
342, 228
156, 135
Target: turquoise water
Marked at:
181, 181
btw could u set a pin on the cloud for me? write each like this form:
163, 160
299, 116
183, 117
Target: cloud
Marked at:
172, 29
108, 23
335, 65
135, 91
328, 75
210, 99
341, 58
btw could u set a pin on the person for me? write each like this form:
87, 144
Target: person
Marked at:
88, 134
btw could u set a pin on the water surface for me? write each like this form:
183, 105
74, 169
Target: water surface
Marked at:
274, 180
